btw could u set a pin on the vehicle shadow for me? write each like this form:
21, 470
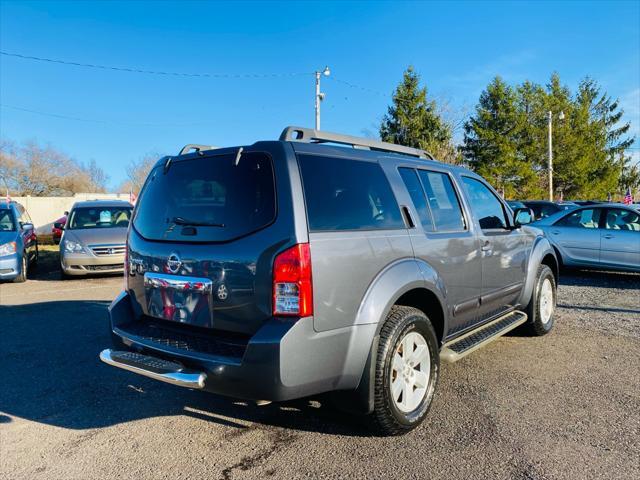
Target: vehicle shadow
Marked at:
598, 278
51, 374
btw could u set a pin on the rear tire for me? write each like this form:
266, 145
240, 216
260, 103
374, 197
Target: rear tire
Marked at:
541, 308
406, 374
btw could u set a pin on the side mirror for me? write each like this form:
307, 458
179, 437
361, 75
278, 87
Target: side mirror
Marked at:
522, 216
27, 226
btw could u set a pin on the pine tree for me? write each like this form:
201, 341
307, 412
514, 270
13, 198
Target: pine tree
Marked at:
413, 120
506, 140
492, 139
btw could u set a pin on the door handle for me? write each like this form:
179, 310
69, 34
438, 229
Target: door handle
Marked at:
555, 232
486, 246
608, 235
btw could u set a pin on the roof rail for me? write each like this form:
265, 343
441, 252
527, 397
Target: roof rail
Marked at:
309, 135
194, 146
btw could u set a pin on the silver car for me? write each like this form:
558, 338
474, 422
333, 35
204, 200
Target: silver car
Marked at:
94, 237
605, 236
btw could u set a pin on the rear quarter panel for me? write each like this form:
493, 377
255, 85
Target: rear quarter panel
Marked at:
344, 265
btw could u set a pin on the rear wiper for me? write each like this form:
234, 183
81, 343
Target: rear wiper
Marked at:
194, 223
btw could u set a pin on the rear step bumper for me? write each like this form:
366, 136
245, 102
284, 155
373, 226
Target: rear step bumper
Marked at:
283, 360
156, 368
462, 346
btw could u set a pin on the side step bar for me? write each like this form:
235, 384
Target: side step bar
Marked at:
156, 368
462, 346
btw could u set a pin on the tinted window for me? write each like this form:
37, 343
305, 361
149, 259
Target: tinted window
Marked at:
347, 195
99, 217
6, 220
444, 203
485, 205
620, 219
414, 187
587, 218
208, 199
541, 210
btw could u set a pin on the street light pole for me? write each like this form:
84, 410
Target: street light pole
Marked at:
319, 95
550, 166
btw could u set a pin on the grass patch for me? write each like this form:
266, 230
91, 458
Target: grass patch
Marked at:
48, 258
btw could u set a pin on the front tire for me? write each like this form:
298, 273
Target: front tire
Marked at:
541, 308
407, 366
22, 276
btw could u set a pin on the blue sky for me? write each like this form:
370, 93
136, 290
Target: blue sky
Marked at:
458, 47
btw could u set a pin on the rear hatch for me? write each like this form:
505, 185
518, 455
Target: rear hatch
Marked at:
204, 236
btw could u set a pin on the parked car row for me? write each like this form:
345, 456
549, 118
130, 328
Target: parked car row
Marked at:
91, 237
18, 242
589, 233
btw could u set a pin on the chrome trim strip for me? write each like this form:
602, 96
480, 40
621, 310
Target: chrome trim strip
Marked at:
180, 283
184, 378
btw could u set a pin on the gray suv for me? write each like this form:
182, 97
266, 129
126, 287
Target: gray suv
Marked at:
298, 267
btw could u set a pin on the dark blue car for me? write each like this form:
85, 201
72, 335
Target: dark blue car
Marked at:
18, 242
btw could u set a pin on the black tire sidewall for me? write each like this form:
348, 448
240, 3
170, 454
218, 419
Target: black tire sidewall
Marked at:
421, 325
544, 272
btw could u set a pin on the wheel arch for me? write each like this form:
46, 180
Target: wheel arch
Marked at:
542, 252
408, 282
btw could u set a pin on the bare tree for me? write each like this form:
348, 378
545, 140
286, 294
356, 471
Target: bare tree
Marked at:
97, 177
32, 169
137, 172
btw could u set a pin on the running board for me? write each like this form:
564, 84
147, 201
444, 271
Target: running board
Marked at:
462, 346
153, 367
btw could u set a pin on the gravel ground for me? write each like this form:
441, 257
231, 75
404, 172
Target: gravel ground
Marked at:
563, 406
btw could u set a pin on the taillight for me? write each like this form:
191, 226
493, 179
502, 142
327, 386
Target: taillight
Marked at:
292, 284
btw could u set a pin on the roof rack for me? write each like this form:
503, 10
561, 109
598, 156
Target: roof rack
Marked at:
309, 135
198, 148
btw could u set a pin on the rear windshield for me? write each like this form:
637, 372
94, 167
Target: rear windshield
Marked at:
99, 217
6, 220
207, 199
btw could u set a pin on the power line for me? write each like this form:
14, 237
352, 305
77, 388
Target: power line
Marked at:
156, 72
93, 120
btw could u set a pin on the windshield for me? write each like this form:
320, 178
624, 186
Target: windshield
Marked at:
6, 221
99, 217
211, 199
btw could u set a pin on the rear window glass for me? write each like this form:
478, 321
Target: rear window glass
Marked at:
346, 194
99, 217
208, 199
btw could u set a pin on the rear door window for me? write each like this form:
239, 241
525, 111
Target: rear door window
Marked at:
444, 203
414, 187
208, 199
620, 219
346, 194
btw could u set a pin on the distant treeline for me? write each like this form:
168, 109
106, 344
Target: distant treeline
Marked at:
505, 138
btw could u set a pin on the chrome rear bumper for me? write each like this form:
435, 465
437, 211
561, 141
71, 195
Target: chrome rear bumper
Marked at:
156, 368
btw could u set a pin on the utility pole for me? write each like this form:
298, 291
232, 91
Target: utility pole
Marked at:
319, 95
550, 165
